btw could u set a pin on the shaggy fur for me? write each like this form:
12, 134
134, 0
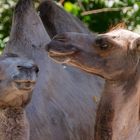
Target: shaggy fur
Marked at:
13, 124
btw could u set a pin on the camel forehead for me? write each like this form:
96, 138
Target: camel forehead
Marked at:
15, 60
122, 34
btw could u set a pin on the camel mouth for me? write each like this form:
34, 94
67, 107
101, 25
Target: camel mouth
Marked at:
62, 55
61, 51
54, 53
25, 84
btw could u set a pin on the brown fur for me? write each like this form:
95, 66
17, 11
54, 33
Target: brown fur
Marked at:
104, 119
120, 25
13, 124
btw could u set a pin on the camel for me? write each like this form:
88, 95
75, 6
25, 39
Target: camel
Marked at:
60, 110
115, 57
17, 80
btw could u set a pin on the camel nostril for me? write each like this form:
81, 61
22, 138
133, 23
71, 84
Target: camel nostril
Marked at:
35, 68
20, 67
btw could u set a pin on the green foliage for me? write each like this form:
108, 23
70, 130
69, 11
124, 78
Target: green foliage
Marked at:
116, 11
6, 11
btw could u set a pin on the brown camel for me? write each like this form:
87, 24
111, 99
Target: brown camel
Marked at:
115, 57
60, 110
17, 80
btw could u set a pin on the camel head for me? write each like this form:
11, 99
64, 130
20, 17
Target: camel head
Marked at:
17, 80
112, 55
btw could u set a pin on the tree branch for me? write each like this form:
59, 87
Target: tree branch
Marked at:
104, 10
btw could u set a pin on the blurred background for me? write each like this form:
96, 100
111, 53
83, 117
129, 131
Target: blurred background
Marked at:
98, 15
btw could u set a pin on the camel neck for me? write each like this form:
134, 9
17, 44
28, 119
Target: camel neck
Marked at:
118, 112
13, 124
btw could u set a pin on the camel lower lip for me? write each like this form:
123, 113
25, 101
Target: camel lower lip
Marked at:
25, 81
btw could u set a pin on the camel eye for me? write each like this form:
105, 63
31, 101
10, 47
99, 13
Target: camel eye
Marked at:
103, 43
104, 46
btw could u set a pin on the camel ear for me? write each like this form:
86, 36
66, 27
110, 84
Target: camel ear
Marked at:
135, 45
120, 25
